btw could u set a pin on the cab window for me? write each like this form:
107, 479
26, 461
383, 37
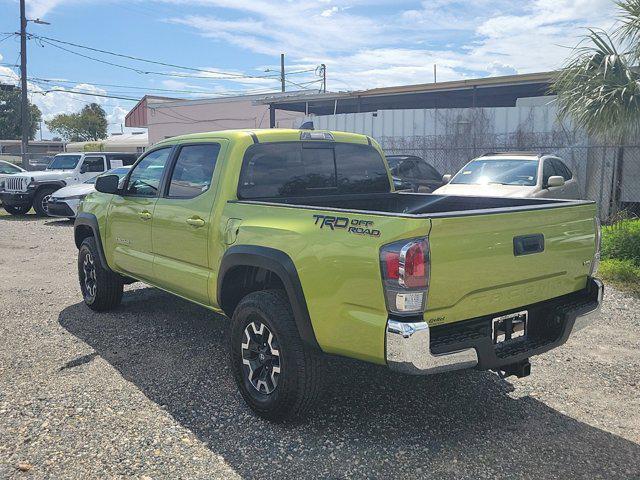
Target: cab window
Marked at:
145, 177
193, 170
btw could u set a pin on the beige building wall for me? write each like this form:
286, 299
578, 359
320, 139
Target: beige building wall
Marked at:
168, 119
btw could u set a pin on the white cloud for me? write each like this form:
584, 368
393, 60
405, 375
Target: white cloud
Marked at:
329, 11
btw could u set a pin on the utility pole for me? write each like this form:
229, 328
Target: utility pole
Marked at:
24, 103
324, 77
282, 70
435, 76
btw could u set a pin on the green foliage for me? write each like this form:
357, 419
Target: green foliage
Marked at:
599, 88
621, 241
10, 118
621, 254
89, 124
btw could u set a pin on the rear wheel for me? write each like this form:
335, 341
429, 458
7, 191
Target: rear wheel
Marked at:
277, 375
101, 288
17, 209
40, 200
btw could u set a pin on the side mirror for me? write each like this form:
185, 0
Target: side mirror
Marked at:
83, 168
446, 178
555, 181
107, 183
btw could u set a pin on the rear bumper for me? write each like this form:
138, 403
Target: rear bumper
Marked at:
415, 348
16, 199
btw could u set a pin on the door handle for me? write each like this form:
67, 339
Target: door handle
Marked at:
195, 222
145, 215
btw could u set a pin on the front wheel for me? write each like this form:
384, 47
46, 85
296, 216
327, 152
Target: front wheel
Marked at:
41, 200
277, 375
101, 288
17, 209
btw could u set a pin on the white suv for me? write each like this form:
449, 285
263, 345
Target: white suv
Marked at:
22, 191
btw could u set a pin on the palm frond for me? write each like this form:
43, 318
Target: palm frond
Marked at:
599, 90
629, 29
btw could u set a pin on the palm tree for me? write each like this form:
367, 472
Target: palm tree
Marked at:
599, 86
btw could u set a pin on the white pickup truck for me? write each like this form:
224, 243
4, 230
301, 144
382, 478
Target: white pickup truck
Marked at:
20, 192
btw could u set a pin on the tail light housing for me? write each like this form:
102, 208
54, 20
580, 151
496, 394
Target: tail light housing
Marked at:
405, 269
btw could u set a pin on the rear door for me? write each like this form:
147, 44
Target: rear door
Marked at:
181, 227
131, 213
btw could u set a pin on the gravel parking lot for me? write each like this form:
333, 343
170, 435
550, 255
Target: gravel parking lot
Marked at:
145, 392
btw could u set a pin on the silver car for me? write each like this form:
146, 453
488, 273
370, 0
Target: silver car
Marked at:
513, 174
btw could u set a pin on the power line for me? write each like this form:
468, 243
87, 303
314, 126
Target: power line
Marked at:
53, 41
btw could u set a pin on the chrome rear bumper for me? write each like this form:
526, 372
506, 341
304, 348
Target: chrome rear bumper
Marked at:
409, 351
408, 344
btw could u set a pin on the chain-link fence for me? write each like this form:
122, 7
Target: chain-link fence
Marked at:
610, 175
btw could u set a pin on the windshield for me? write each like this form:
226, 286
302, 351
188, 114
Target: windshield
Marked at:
120, 171
503, 172
64, 162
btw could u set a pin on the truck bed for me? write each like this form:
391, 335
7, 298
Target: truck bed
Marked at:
417, 204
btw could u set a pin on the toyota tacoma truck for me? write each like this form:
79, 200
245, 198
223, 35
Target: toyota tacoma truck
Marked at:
299, 238
24, 190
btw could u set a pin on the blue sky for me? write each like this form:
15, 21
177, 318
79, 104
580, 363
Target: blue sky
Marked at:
364, 44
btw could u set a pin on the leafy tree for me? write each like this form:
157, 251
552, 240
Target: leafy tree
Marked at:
10, 118
89, 124
599, 86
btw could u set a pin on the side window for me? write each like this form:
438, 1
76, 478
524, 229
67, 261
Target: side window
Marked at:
548, 170
144, 180
193, 170
429, 172
92, 164
563, 170
117, 161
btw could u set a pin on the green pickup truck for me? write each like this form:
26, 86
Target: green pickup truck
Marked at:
300, 239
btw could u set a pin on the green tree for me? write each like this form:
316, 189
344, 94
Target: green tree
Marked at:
89, 124
599, 86
10, 118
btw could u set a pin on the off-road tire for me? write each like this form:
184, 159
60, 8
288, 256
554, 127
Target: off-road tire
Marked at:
300, 378
104, 290
42, 194
17, 209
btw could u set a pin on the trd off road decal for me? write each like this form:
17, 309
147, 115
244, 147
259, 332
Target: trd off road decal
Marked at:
353, 225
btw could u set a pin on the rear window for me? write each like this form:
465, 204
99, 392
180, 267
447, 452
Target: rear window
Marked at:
308, 168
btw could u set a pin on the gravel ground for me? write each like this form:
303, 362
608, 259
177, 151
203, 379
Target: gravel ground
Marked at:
145, 392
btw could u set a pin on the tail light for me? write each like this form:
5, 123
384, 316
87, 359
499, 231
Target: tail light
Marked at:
405, 269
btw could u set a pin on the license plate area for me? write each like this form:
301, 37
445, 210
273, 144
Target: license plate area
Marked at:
509, 327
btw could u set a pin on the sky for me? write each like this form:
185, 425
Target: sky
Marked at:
234, 46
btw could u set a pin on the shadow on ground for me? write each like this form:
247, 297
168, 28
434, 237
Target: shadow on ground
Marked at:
370, 423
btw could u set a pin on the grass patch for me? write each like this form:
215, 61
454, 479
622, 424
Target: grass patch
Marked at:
620, 264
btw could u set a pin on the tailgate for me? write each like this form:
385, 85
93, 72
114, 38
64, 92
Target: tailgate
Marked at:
476, 271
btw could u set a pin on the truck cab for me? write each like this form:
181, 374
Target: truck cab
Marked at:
33, 189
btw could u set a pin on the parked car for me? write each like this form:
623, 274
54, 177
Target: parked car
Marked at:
411, 172
65, 202
513, 174
298, 237
6, 169
27, 189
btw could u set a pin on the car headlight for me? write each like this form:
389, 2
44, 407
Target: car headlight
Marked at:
74, 197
